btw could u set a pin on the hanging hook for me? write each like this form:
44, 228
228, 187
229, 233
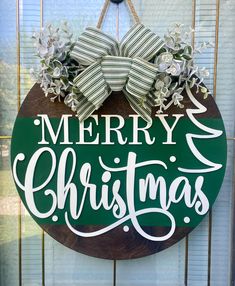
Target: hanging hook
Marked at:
106, 6
117, 1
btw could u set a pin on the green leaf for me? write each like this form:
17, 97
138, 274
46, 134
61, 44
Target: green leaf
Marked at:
186, 57
193, 82
203, 89
188, 50
180, 52
177, 57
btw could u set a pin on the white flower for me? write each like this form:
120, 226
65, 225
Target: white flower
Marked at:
51, 51
204, 73
161, 96
56, 72
167, 80
178, 28
177, 97
32, 73
42, 51
167, 57
161, 89
174, 69
163, 61
71, 100
159, 84
64, 72
162, 67
170, 42
53, 46
159, 101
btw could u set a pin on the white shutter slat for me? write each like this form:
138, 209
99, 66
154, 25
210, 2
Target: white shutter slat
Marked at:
64, 266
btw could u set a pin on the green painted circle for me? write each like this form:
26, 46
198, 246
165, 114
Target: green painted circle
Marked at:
153, 183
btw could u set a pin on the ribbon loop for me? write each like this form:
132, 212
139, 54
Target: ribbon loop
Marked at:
140, 42
114, 66
92, 45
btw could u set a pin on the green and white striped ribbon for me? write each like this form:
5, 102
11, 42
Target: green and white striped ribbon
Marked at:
140, 42
114, 66
116, 70
141, 77
93, 45
144, 109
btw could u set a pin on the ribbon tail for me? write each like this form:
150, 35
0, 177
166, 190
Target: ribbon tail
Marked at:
140, 81
144, 109
94, 90
141, 78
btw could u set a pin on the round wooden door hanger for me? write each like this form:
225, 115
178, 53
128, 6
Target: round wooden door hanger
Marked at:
115, 186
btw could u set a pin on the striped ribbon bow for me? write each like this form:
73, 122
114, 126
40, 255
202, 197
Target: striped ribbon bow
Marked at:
113, 66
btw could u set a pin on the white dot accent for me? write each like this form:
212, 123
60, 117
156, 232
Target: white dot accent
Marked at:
172, 159
55, 218
187, 219
106, 176
117, 160
126, 228
36, 122
21, 157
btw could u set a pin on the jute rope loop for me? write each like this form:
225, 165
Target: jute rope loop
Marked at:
105, 9
103, 13
133, 11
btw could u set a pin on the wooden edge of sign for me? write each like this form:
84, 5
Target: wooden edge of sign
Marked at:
133, 244
36, 103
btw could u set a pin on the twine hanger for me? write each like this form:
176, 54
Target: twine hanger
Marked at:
105, 9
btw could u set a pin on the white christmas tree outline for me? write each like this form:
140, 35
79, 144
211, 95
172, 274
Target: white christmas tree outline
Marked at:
213, 133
